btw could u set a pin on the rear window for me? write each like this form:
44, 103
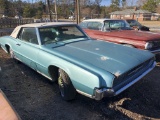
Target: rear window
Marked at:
91, 25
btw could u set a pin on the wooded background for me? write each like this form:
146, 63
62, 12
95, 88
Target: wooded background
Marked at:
38, 9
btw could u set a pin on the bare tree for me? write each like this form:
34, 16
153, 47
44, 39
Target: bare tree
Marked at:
97, 2
86, 11
141, 2
85, 3
124, 3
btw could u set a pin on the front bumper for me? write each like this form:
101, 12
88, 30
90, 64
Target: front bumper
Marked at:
104, 92
155, 51
101, 93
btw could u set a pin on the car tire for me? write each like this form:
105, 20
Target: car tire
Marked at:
67, 90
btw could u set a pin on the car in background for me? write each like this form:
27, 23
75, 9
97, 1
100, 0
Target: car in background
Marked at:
71, 18
18, 17
62, 52
86, 17
4, 16
136, 25
119, 31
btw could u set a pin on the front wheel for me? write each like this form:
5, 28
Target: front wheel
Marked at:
66, 87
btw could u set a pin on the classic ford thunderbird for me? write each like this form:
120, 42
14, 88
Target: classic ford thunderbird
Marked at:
63, 52
119, 31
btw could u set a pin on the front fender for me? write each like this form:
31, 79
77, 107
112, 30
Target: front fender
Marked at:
84, 79
7, 41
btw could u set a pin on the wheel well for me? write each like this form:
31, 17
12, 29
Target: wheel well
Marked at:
53, 72
7, 48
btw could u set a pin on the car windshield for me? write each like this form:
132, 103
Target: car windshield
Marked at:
133, 23
116, 25
60, 33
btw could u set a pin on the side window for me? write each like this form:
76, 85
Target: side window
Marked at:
28, 35
106, 26
83, 24
90, 26
95, 25
116, 24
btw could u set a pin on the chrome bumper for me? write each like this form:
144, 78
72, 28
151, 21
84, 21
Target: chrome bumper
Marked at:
155, 51
104, 92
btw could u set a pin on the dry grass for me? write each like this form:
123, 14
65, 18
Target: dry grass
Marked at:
150, 23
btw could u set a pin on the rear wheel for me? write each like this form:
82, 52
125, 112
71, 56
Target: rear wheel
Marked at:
67, 90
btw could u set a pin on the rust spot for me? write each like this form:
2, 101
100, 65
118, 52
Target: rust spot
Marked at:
103, 58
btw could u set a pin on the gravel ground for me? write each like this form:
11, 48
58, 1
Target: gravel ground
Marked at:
36, 98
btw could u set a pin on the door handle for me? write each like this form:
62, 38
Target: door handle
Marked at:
18, 44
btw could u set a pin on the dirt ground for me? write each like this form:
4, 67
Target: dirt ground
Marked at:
35, 98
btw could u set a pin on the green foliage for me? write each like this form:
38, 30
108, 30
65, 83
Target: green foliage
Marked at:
103, 12
39, 10
150, 5
114, 5
115, 2
88, 7
4, 6
29, 11
39, 14
124, 3
114, 8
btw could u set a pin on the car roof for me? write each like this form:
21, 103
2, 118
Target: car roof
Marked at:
38, 25
130, 19
46, 24
99, 20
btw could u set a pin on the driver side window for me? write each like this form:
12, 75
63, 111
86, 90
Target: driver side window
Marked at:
28, 35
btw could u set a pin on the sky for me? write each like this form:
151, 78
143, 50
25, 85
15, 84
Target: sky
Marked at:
106, 2
129, 2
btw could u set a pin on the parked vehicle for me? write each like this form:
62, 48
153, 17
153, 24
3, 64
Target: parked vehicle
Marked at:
136, 25
63, 52
86, 17
119, 31
71, 18
4, 16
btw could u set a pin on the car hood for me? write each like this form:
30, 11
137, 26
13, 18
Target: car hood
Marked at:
93, 54
134, 35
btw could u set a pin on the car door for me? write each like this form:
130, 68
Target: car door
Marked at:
28, 46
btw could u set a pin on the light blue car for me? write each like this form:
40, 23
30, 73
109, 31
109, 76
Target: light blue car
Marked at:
63, 52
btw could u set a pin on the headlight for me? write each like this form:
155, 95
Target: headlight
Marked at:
148, 45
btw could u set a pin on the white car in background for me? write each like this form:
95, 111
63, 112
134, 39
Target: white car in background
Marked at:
71, 18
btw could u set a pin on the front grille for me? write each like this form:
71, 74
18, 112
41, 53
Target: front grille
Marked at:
132, 74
